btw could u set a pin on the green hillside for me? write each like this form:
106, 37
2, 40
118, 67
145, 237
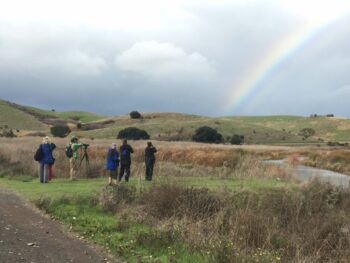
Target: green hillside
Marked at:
176, 126
256, 129
82, 116
17, 119
17, 116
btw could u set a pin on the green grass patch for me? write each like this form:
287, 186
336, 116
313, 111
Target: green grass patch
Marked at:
76, 204
82, 115
32, 189
17, 119
132, 241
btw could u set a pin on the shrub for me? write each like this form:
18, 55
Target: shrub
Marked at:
111, 198
74, 118
307, 132
135, 115
207, 134
172, 200
60, 131
8, 133
237, 139
133, 133
79, 125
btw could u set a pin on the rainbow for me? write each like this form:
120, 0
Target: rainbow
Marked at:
251, 83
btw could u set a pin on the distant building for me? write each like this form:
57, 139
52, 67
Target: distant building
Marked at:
327, 115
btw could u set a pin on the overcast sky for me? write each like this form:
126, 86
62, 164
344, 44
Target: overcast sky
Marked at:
205, 57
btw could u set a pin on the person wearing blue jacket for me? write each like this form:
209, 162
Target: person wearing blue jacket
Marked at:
46, 160
112, 163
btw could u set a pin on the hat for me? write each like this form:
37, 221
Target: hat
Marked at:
113, 145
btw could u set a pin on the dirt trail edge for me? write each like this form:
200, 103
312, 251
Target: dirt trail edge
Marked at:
28, 236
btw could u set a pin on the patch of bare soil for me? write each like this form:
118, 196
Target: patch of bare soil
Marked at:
28, 236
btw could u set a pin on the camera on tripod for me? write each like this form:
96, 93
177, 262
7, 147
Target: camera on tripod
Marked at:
85, 145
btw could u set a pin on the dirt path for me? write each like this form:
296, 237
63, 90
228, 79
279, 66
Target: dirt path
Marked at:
28, 236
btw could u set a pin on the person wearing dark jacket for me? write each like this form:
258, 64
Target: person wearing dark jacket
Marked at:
150, 160
46, 160
50, 171
112, 163
125, 160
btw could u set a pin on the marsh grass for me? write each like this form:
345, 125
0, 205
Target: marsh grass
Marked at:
178, 223
181, 159
228, 208
337, 160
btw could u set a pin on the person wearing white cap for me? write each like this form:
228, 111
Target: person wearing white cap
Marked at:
112, 163
46, 159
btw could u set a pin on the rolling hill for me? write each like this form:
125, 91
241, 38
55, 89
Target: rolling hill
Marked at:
176, 126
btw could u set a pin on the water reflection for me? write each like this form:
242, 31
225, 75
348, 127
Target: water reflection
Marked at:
306, 173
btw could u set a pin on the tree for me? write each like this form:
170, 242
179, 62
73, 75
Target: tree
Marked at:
135, 115
237, 139
133, 133
307, 132
60, 130
8, 133
207, 134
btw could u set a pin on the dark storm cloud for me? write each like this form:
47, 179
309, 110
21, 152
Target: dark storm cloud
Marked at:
185, 60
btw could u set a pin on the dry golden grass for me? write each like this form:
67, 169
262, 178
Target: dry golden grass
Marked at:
173, 159
244, 226
306, 225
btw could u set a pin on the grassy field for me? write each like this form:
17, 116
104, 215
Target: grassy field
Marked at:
17, 119
181, 220
258, 129
33, 119
282, 130
84, 206
207, 203
31, 189
83, 116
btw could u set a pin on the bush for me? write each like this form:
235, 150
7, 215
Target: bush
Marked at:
307, 132
135, 115
171, 200
79, 126
133, 133
8, 133
60, 131
207, 134
237, 139
111, 198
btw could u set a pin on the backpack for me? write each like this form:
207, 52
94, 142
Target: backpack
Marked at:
125, 152
69, 151
39, 155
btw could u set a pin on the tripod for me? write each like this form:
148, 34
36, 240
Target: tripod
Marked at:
86, 158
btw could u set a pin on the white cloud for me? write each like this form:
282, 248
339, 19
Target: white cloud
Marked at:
32, 49
164, 61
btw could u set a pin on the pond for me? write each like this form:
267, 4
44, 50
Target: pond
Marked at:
306, 173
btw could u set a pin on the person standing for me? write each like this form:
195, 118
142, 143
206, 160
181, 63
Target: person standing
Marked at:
112, 163
46, 160
74, 160
150, 159
125, 160
53, 147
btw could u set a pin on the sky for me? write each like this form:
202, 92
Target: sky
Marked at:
214, 58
